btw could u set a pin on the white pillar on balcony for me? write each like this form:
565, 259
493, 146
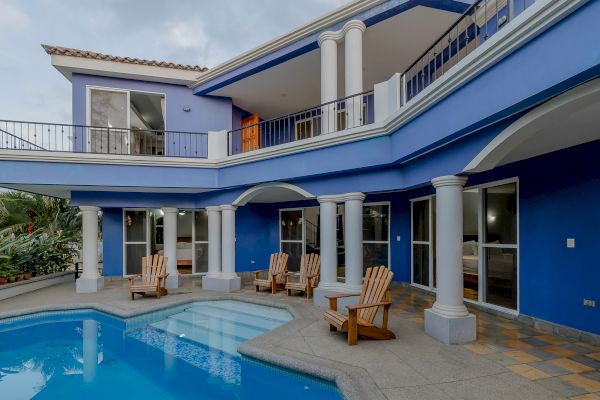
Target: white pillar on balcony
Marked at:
353, 63
212, 280
170, 246
329, 90
353, 241
449, 320
90, 280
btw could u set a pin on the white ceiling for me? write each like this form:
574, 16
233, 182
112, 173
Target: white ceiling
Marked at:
389, 46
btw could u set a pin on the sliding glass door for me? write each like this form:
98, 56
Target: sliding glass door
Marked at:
135, 236
109, 117
376, 235
200, 241
499, 245
291, 233
489, 243
422, 242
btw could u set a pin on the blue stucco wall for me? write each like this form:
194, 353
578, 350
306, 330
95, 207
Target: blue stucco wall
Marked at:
112, 245
559, 194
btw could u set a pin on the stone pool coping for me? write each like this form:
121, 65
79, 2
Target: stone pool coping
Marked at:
353, 382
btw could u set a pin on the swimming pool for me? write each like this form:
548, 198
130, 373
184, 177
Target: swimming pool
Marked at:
181, 353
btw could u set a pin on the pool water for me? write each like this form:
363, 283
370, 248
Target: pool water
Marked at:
187, 352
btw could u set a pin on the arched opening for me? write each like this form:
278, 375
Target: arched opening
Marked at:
567, 120
275, 192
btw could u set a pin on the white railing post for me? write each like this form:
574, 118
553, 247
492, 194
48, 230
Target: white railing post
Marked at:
217, 145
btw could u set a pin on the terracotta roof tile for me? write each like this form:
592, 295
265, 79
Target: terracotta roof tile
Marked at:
65, 51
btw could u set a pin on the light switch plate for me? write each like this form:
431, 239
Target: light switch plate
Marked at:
398, 238
570, 243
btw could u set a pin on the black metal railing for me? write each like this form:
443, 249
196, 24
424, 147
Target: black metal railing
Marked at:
21, 135
479, 22
349, 112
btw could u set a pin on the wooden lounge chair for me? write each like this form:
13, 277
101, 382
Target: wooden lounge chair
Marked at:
308, 276
275, 273
153, 276
375, 293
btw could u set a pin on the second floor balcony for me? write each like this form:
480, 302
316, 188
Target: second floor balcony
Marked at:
260, 128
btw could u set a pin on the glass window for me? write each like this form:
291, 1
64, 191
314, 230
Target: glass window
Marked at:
135, 225
375, 254
375, 223
133, 258
501, 276
291, 225
201, 257
201, 226
500, 205
108, 109
470, 241
420, 218
421, 264
294, 251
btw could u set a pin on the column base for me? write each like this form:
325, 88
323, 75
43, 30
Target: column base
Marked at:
450, 330
89, 285
225, 284
173, 281
321, 301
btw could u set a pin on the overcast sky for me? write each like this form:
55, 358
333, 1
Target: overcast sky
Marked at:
203, 32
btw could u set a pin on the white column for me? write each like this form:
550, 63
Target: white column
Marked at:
170, 246
214, 241
353, 76
449, 320
228, 242
328, 242
90, 280
353, 241
90, 349
228, 280
329, 89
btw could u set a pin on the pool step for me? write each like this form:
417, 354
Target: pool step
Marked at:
197, 333
263, 325
241, 331
235, 317
276, 314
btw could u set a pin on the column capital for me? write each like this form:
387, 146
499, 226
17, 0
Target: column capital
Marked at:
168, 210
354, 24
330, 35
449, 180
89, 208
228, 207
354, 196
212, 208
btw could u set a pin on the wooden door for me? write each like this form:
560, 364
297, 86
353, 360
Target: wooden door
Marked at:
250, 133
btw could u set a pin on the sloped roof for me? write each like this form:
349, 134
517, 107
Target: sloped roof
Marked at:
66, 51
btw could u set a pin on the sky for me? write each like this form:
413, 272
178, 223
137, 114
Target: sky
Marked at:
201, 32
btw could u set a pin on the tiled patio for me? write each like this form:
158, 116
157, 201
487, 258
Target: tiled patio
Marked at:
567, 367
508, 361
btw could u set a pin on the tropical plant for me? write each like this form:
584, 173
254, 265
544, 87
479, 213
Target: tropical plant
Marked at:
38, 234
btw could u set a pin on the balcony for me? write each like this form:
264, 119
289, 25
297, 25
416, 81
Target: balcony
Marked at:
480, 22
35, 136
349, 112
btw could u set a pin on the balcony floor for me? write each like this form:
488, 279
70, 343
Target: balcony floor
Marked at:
508, 361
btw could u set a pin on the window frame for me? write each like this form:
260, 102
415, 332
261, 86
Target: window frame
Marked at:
389, 230
429, 243
88, 110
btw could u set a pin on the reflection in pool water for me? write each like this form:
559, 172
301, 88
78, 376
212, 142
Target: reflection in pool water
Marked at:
89, 355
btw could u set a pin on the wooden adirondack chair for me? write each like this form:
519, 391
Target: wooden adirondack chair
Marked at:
375, 293
310, 265
153, 276
275, 273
